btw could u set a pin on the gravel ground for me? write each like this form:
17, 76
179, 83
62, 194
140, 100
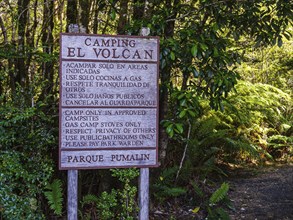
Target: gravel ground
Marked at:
262, 194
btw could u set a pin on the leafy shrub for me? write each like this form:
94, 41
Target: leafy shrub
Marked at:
117, 204
263, 110
218, 196
102, 207
254, 117
27, 137
126, 195
165, 188
54, 196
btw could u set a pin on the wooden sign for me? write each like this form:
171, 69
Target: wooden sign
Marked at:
108, 101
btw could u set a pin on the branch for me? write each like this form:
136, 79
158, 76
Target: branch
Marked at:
4, 32
185, 149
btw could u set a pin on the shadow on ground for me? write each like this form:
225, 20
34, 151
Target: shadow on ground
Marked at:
262, 196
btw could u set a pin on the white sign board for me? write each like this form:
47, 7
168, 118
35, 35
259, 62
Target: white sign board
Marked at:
108, 101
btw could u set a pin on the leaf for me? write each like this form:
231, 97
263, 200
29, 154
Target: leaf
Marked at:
113, 15
182, 113
216, 52
163, 63
181, 96
197, 190
179, 127
223, 214
90, 198
219, 194
171, 134
183, 102
195, 72
173, 191
172, 55
54, 196
191, 113
195, 210
203, 46
194, 50
287, 35
215, 27
169, 128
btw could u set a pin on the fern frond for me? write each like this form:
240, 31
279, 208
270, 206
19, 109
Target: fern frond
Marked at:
165, 191
54, 196
197, 190
223, 215
90, 198
219, 194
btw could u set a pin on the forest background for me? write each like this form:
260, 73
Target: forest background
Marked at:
225, 100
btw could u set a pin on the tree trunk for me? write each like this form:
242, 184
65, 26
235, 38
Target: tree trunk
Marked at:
4, 33
72, 13
85, 6
138, 9
20, 67
122, 16
165, 82
30, 38
96, 18
47, 42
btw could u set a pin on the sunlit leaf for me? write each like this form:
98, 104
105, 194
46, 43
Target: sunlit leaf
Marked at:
182, 113
172, 55
179, 127
194, 50
195, 210
203, 46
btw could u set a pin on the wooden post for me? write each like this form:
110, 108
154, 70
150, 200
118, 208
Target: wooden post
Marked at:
72, 175
144, 193
144, 178
72, 182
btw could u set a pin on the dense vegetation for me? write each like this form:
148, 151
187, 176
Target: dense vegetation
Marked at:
225, 98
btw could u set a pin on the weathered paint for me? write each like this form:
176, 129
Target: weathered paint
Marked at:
108, 101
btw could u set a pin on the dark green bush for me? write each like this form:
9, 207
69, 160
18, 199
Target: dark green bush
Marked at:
27, 142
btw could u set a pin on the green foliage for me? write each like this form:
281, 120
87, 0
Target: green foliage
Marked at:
219, 194
280, 146
164, 192
88, 202
215, 204
165, 188
118, 204
269, 65
214, 139
198, 191
89, 198
266, 111
102, 207
125, 175
127, 194
255, 123
18, 189
27, 135
218, 213
54, 196
201, 42
106, 202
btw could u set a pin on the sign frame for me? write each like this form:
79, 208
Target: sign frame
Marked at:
99, 149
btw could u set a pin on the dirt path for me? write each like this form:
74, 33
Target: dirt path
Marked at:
262, 196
